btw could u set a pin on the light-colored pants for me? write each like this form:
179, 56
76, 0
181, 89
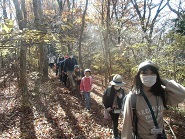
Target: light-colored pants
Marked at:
71, 80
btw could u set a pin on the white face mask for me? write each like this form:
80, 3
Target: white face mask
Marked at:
117, 87
71, 56
149, 80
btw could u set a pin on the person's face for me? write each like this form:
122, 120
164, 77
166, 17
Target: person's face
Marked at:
148, 78
77, 69
87, 73
116, 87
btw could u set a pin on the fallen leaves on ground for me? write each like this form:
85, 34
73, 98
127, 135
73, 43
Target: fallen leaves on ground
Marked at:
57, 113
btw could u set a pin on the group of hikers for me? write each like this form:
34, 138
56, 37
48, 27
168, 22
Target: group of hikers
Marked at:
142, 108
72, 77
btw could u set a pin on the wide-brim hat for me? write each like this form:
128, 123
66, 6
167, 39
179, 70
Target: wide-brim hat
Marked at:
117, 80
147, 63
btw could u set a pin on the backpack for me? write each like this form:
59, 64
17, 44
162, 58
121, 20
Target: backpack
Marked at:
122, 92
133, 103
135, 119
108, 91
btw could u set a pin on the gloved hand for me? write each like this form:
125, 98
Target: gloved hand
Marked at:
109, 109
119, 94
81, 92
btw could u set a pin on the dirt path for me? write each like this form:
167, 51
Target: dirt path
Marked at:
56, 113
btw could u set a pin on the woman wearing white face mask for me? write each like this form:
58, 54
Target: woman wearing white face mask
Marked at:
112, 101
145, 104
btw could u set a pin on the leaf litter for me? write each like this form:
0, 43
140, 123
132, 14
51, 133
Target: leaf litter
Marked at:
56, 113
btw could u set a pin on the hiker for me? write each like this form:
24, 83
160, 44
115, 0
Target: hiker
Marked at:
52, 61
69, 69
112, 101
77, 77
62, 73
145, 104
57, 61
86, 87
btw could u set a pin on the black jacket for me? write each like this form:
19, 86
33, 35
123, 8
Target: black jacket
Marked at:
69, 64
109, 95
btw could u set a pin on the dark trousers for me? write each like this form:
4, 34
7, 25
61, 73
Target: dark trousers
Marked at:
57, 69
61, 77
51, 65
115, 118
64, 79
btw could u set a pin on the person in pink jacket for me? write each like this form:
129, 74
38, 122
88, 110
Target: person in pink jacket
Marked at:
86, 87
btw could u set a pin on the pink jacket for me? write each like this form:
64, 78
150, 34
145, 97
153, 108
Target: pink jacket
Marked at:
86, 84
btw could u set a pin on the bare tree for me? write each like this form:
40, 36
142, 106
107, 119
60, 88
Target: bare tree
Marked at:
81, 34
61, 4
148, 17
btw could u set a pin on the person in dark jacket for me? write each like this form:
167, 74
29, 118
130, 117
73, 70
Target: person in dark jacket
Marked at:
59, 59
112, 101
78, 74
63, 75
69, 69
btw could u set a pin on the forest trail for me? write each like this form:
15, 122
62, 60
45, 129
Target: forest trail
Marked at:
57, 113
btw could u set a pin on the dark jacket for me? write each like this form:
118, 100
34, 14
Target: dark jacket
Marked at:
69, 64
61, 65
78, 74
109, 95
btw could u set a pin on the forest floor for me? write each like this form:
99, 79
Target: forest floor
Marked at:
57, 113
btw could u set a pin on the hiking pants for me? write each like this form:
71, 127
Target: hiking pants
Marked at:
64, 79
115, 118
71, 80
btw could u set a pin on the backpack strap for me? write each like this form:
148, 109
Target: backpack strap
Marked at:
135, 119
108, 91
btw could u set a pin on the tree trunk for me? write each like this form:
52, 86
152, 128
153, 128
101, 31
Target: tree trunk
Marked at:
23, 75
4, 10
81, 33
23, 78
106, 44
43, 64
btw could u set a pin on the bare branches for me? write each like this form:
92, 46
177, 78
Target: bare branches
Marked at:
177, 12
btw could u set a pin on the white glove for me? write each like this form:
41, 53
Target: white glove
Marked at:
109, 109
120, 95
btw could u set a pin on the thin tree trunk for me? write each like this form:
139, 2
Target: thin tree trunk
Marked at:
4, 10
43, 64
23, 78
81, 33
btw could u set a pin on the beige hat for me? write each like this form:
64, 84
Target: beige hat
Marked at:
117, 80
